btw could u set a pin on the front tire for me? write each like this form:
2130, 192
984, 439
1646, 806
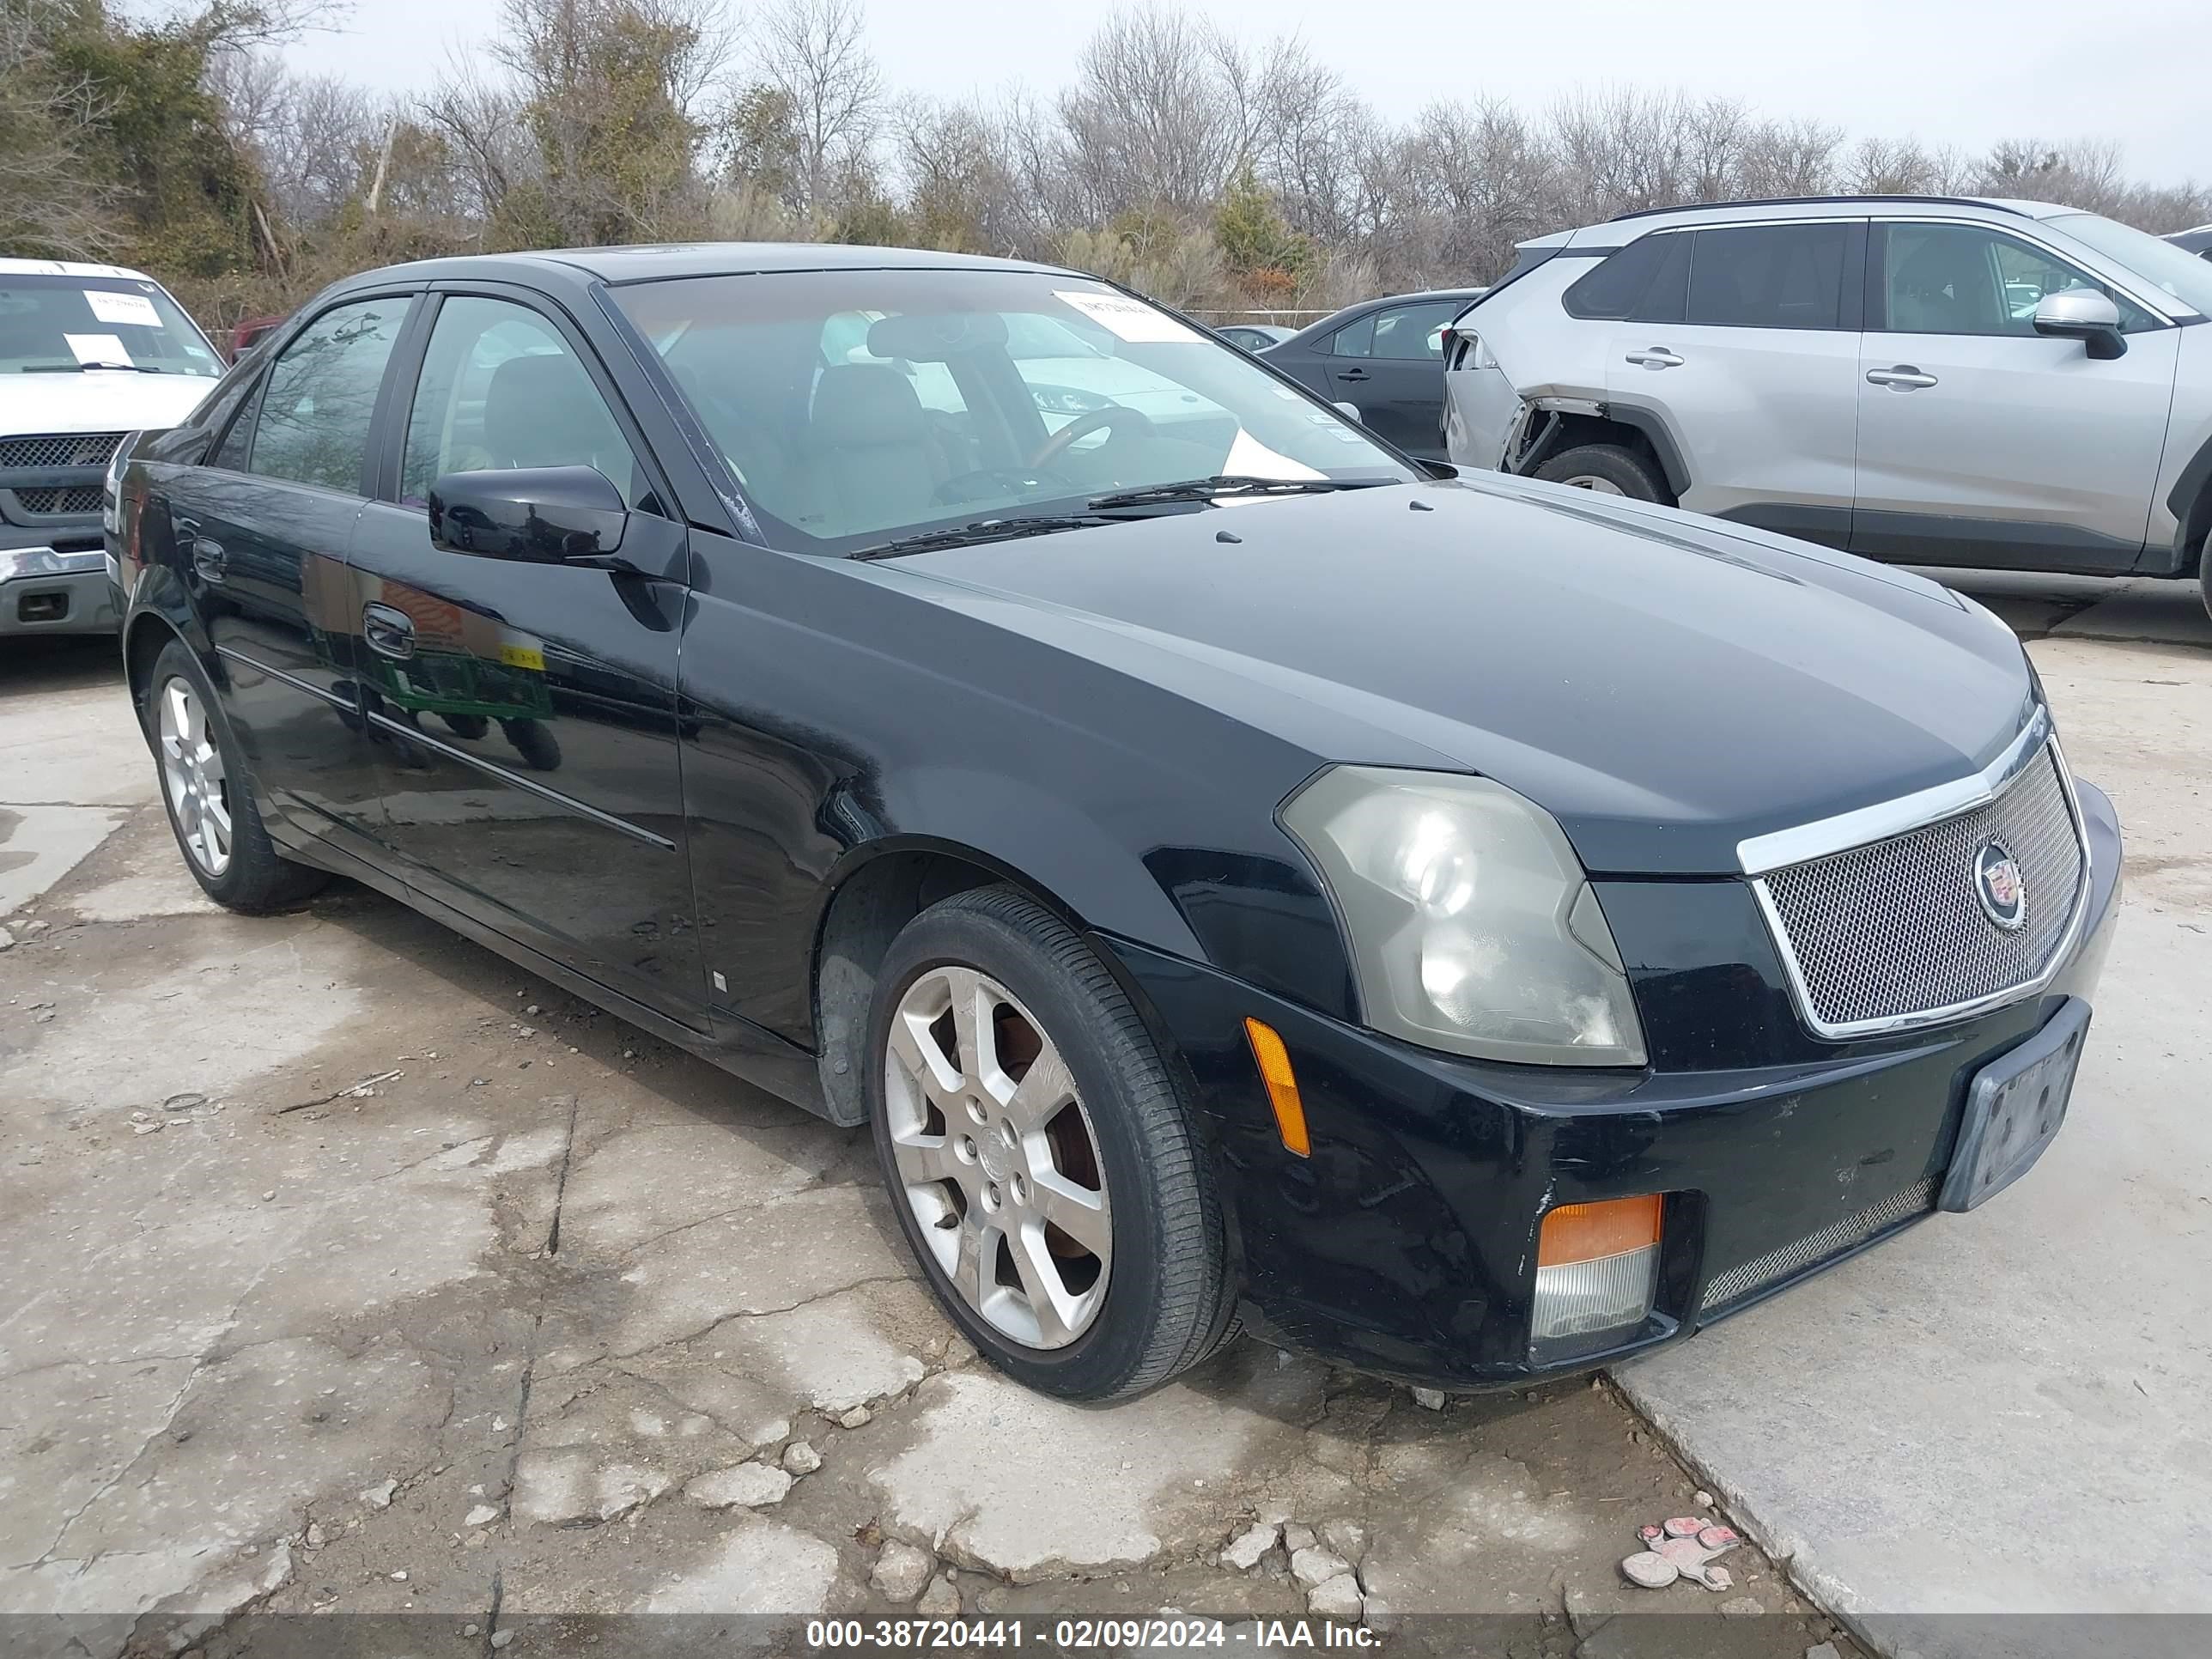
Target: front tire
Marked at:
1606, 469
209, 794
1041, 1153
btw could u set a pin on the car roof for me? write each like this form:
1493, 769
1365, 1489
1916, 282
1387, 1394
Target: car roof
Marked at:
1337, 319
677, 260
67, 268
1625, 227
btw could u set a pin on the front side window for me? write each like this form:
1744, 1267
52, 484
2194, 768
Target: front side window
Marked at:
1964, 279
855, 406
78, 324
501, 388
1414, 333
1768, 275
320, 395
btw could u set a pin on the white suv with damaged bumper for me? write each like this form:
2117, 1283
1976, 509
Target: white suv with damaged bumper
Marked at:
87, 355
1936, 380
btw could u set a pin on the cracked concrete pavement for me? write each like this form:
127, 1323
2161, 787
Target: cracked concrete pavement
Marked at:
344, 1269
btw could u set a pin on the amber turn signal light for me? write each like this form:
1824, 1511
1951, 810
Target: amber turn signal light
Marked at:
1274, 1063
1589, 1232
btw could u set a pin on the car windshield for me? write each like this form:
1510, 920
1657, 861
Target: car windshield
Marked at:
855, 406
60, 325
2180, 273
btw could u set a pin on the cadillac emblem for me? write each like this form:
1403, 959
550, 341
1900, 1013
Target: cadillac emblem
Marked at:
1998, 886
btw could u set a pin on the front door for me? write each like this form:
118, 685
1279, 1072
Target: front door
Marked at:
263, 529
1981, 442
1391, 364
525, 714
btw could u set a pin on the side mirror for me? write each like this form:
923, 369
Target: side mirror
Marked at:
535, 515
1350, 412
2083, 314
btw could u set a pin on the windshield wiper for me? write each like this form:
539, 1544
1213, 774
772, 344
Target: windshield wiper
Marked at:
983, 530
79, 369
1226, 483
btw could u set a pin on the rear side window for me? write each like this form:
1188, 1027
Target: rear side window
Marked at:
1769, 275
1644, 282
320, 395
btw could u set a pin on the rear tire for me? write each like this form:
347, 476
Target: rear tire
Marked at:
1606, 469
2204, 575
1073, 1113
209, 794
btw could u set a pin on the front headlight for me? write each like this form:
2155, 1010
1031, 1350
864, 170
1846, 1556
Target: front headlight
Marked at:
1470, 924
111, 486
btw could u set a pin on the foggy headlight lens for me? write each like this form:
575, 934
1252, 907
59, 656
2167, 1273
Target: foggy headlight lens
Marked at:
1472, 925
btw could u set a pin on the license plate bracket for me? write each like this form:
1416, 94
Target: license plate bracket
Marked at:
2014, 1108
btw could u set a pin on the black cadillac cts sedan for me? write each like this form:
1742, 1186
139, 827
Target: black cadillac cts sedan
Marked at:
1468, 930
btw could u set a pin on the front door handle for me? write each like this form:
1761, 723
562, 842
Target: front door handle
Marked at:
209, 559
390, 633
1904, 378
1655, 357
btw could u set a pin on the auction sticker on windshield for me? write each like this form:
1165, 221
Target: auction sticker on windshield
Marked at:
1129, 320
131, 310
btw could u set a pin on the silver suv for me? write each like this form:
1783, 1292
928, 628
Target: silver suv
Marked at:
1929, 379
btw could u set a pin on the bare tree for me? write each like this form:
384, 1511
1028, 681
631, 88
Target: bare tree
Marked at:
51, 200
814, 53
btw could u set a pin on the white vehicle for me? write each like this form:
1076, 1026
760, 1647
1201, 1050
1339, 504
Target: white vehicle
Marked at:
87, 355
1930, 380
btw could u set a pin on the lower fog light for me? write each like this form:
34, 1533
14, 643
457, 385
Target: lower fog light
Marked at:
1595, 1267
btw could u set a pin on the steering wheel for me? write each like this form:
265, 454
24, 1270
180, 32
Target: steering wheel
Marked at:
1114, 415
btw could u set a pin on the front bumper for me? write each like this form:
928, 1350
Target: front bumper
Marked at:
1406, 1245
43, 591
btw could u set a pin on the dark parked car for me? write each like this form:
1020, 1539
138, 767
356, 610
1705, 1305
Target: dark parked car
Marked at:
1385, 356
1468, 931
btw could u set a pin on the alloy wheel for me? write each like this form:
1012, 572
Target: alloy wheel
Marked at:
1594, 484
193, 772
997, 1158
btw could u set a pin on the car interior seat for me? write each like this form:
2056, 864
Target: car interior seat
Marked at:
1944, 287
542, 411
871, 450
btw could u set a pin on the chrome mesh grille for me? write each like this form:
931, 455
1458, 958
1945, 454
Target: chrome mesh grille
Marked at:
60, 449
1895, 929
1815, 1247
82, 499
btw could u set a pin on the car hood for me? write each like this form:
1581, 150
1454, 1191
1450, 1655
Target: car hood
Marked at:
1666, 685
97, 400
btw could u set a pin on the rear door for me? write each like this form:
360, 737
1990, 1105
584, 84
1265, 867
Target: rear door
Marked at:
1391, 364
1982, 443
525, 714
262, 530
1745, 346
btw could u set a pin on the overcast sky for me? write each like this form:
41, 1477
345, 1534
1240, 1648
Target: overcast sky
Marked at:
1966, 72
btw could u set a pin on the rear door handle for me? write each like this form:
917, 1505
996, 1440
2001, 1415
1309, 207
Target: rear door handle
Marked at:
1655, 357
1352, 374
209, 559
1905, 378
390, 633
